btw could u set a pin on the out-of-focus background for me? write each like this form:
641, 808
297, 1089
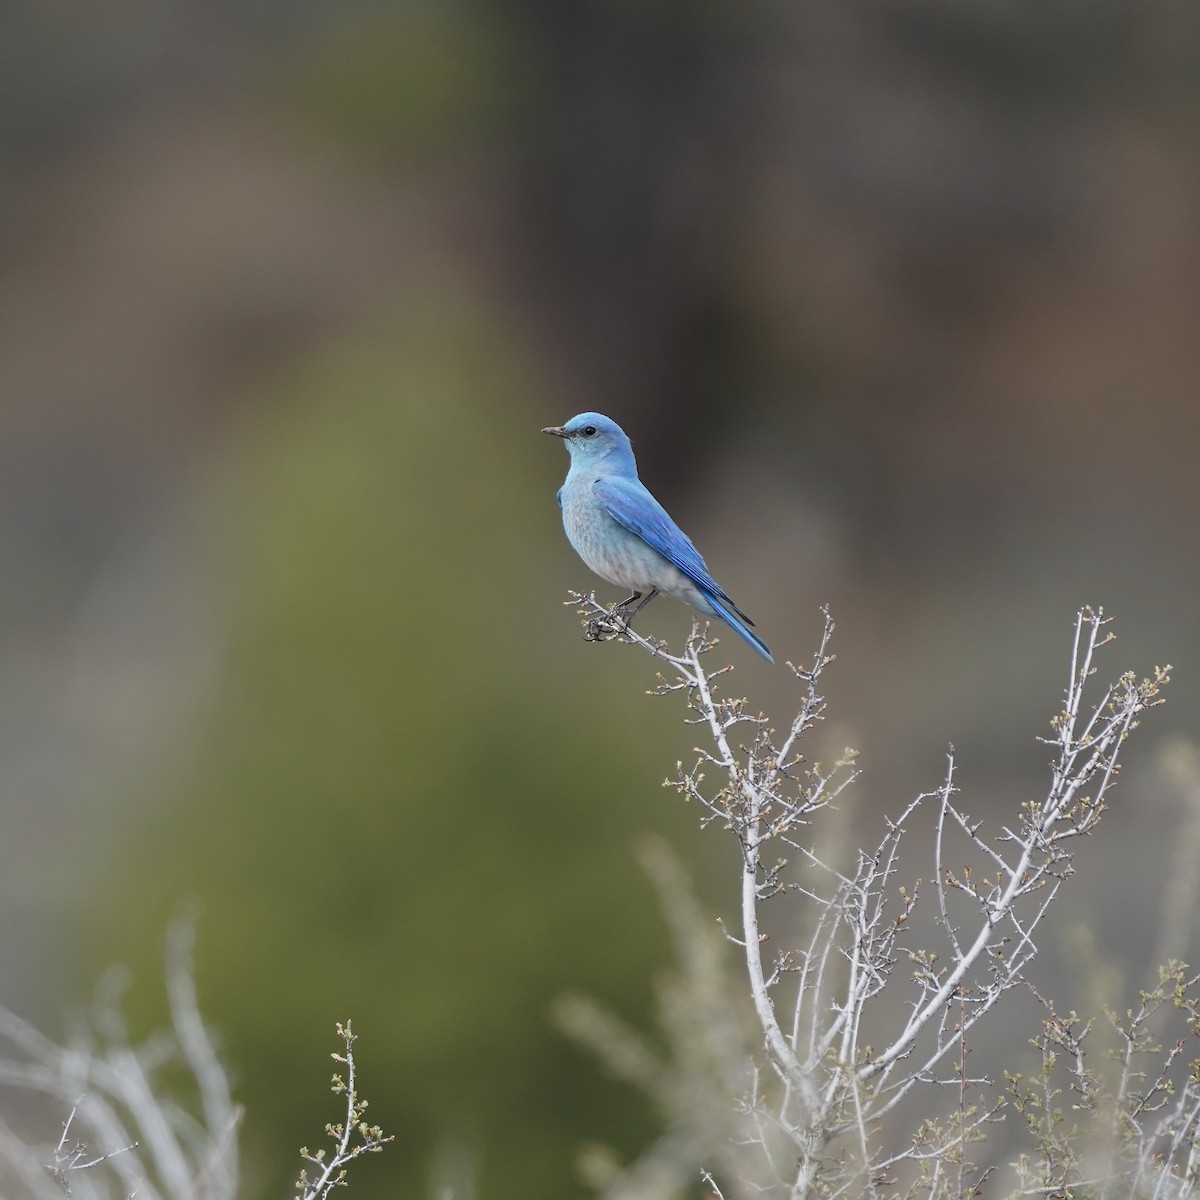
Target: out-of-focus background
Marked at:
899, 303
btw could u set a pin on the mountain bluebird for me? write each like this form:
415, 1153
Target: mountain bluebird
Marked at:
623, 534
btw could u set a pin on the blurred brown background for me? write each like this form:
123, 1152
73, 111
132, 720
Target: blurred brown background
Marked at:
899, 303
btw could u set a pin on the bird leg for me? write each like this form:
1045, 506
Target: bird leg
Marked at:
618, 619
636, 596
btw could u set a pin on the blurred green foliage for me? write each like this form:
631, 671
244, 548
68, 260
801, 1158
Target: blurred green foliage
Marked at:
416, 797
414, 80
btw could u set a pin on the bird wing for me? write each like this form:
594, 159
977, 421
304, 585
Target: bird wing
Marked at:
629, 504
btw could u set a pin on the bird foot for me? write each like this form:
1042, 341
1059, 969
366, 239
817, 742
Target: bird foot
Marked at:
607, 627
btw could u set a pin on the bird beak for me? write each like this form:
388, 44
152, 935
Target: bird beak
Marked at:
556, 431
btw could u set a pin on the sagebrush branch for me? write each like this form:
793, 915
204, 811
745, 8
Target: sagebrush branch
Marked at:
843, 975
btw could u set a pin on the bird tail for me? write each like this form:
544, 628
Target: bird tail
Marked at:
733, 617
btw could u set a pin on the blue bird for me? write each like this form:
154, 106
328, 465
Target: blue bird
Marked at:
623, 534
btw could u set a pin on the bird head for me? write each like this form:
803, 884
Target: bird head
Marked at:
591, 437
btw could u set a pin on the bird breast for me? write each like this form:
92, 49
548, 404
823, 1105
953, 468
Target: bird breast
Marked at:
612, 551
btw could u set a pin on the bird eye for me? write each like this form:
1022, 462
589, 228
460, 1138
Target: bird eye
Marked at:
589, 431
